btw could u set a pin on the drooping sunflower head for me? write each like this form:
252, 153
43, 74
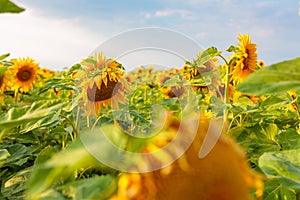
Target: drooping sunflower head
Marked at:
245, 59
196, 68
24, 74
100, 80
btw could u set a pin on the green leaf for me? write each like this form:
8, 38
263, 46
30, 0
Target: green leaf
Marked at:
232, 49
14, 187
283, 166
274, 190
174, 81
74, 68
4, 154
7, 6
206, 55
20, 155
2, 57
289, 139
97, 187
18, 116
270, 131
45, 155
52, 194
60, 167
275, 79
2, 70
43, 122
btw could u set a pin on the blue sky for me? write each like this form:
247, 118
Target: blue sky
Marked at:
59, 33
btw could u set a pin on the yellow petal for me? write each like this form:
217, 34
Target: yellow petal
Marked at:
105, 80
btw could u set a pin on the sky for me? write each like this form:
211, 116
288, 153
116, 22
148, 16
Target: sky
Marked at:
60, 33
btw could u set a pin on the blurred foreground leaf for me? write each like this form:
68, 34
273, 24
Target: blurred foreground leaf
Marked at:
2, 57
275, 79
283, 166
55, 170
7, 6
274, 190
97, 187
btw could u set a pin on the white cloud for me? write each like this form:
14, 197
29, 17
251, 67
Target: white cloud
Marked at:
262, 32
54, 43
185, 14
201, 35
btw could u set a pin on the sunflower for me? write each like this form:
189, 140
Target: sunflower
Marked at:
261, 63
193, 70
45, 73
101, 82
3, 79
2, 83
24, 74
244, 60
216, 176
175, 91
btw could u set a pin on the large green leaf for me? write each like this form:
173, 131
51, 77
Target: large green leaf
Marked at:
18, 116
19, 155
275, 79
14, 187
97, 187
207, 54
59, 167
274, 190
7, 6
283, 166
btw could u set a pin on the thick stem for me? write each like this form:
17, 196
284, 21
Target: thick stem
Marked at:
88, 121
73, 126
16, 95
227, 85
77, 124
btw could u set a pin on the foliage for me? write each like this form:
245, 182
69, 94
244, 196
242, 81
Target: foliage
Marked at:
42, 155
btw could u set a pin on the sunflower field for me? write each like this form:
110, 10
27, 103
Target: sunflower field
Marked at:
217, 127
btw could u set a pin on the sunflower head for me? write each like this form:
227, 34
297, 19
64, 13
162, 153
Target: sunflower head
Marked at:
260, 63
45, 73
100, 79
24, 74
3, 78
197, 68
243, 62
215, 176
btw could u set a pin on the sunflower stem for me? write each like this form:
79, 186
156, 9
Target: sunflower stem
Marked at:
77, 119
97, 120
88, 121
16, 95
227, 85
73, 127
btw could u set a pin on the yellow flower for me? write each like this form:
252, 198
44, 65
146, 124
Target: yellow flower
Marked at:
1, 82
244, 61
260, 63
24, 74
100, 80
175, 91
192, 70
294, 96
216, 176
3, 79
45, 73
